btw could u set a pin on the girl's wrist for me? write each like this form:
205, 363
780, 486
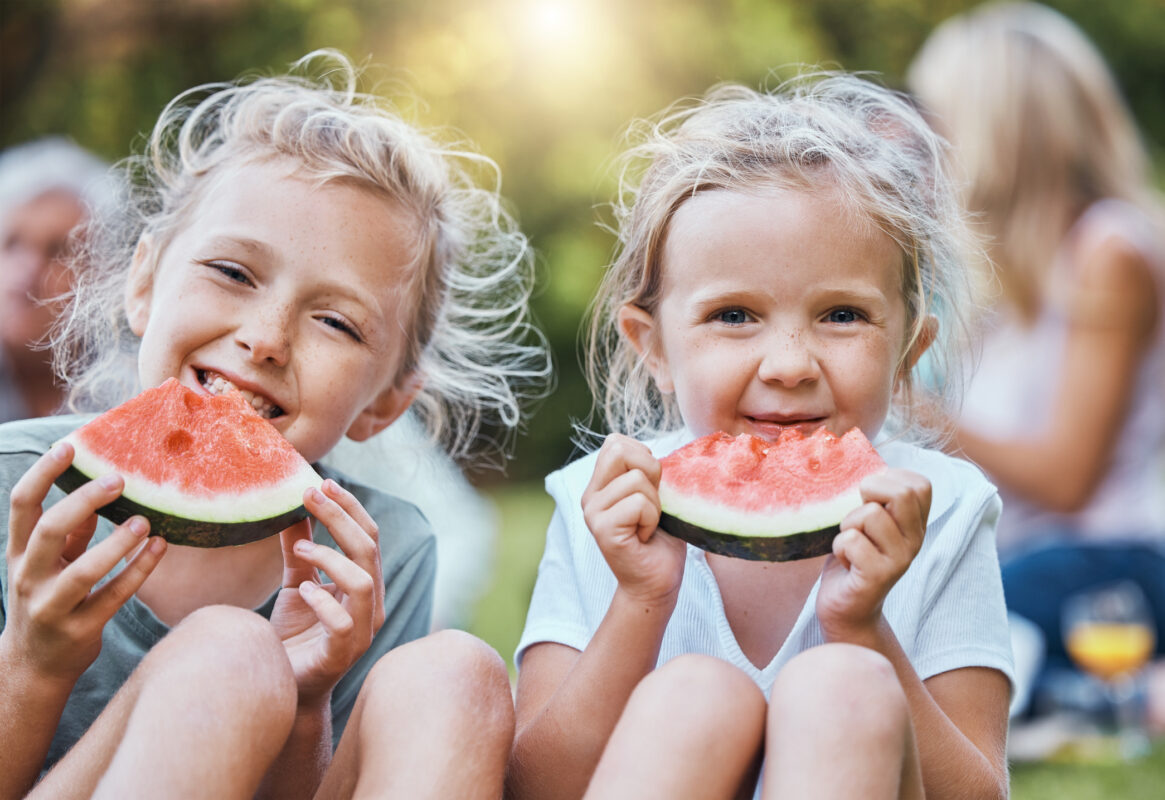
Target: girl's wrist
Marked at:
648, 605
867, 633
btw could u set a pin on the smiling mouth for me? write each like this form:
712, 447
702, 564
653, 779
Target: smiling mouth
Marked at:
215, 383
805, 424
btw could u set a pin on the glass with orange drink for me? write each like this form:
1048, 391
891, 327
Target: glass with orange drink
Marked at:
1109, 632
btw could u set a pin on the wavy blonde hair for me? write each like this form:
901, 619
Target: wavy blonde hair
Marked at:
816, 132
1039, 129
469, 336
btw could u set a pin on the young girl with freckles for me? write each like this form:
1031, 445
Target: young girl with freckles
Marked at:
298, 242
784, 262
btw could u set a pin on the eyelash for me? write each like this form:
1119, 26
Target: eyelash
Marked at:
236, 274
231, 271
720, 315
857, 315
341, 325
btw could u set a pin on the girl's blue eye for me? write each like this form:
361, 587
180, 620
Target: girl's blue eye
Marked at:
230, 271
342, 326
732, 316
843, 315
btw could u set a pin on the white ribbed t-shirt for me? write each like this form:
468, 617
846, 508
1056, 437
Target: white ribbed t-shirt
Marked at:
947, 611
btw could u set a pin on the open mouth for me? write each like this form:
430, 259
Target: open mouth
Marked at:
805, 424
215, 383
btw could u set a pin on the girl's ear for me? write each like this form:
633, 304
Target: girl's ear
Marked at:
926, 336
386, 408
641, 332
139, 287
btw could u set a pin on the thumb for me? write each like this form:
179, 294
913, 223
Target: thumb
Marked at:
295, 569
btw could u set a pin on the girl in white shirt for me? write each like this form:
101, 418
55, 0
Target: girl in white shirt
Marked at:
784, 259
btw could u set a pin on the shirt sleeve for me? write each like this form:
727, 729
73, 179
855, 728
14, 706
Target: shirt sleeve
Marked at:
557, 613
965, 621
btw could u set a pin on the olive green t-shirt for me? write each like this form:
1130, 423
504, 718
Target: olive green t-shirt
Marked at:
408, 558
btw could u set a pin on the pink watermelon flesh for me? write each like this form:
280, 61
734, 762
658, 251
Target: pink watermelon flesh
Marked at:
775, 501
205, 470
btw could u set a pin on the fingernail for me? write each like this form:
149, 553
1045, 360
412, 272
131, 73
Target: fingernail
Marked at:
315, 494
304, 546
111, 481
331, 486
58, 451
307, 587
138, 526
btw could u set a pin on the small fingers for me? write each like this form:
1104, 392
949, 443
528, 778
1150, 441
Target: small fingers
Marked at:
347, 501
359, 541
74, 512
620, 454
358, 588
295, 569
328, 610
105, 602
906, 496
78, 579
28, 495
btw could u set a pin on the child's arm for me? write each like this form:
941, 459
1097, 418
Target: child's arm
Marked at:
53, 615
568, 702
325, 627
960, 716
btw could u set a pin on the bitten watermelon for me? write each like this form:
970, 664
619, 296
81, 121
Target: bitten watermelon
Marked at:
206, 471
750, 498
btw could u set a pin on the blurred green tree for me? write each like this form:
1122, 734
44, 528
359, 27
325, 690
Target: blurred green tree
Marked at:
545, 87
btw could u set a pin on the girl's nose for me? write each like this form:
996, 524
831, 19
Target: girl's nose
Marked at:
266, 337
787, 360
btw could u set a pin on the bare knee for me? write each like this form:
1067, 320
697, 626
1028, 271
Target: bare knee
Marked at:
709, 693
232, 648
446, 669
851, 685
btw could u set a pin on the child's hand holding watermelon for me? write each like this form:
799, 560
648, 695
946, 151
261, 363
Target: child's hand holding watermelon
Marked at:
621, 508
56, 611
326, 627
876, 545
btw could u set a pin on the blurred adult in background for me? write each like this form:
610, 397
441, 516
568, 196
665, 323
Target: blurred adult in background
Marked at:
47, 189
1066, 411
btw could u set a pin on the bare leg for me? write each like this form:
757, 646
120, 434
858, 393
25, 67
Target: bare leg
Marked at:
434, 719
692, 728
839, 727
203, 715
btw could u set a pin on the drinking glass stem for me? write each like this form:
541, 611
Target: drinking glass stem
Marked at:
1130, 730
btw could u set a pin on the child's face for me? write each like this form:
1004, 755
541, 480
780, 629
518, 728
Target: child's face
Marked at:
777, 309
293, 293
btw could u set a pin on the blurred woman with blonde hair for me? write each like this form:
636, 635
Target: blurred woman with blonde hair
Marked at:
1065, 410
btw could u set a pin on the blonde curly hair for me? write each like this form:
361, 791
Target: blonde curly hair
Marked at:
815, 131
469, 336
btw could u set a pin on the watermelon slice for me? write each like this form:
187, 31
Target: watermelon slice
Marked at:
750, 498
206, 471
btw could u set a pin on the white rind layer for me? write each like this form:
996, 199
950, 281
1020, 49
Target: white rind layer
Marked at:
779, 522
247, 506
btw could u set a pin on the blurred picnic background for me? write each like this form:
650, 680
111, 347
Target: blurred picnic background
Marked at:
546, 88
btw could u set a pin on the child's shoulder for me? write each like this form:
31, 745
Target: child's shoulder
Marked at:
37, 435
406, 525
953, 480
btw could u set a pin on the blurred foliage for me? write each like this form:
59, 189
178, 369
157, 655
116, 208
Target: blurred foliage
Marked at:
545, 87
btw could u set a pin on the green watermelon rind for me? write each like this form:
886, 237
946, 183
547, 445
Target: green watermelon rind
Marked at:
790, 547
183, 530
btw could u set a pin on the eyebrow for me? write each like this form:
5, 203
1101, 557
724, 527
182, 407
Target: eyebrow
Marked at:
253, 246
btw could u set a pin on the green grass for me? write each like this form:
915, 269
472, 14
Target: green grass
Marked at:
525, 511
1141, 780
